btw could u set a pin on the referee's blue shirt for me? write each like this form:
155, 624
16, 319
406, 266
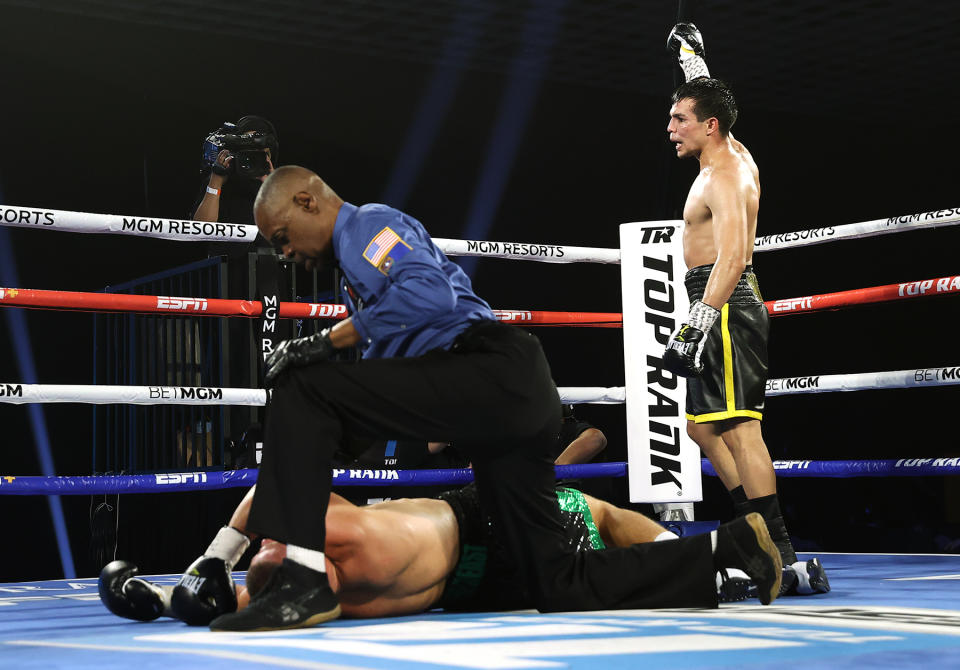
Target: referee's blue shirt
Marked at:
404, 295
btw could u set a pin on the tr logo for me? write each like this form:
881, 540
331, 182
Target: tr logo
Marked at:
656, 234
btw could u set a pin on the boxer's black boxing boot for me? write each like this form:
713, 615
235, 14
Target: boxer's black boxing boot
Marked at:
799, 577
769, 508
294, 597
745, 544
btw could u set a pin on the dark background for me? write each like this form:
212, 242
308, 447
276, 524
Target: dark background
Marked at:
845, 107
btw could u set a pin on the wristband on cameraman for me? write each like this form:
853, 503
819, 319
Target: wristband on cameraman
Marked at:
213, 191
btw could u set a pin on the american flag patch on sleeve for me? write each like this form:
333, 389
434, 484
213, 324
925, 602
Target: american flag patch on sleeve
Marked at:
385, 249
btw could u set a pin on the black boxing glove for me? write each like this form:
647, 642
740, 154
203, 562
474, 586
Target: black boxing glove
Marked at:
296, 353
206, 589
686, 43
128, 596
685, 347
204, 592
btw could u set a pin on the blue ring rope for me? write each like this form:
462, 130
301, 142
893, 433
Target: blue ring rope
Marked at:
203, 481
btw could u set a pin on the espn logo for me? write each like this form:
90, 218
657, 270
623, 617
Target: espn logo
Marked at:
182, 304
791, 465
182, 478
512, 315
793, 304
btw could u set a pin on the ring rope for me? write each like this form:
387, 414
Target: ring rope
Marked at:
185, 230
100, 394
154, 304
103, 394
200, 480
864, 296
894, 224
571, 319
523, 251
160, 304
864, 381
141, 226
891, 467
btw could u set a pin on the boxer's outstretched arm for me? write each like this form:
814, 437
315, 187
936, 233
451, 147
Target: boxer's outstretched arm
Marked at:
622, 527
587, 445
242, 513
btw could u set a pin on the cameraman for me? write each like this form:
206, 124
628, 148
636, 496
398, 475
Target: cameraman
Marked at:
236, 158
236, 173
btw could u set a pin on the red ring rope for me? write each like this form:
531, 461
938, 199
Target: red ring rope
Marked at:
151, 304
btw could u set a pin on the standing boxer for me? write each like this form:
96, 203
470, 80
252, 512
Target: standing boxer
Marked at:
722, 345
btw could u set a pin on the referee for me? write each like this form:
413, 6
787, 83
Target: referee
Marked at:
436, 366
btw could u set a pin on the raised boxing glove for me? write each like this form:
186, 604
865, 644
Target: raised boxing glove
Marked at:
686, 43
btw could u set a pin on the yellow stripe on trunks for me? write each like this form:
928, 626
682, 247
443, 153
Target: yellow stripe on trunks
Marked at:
729, 392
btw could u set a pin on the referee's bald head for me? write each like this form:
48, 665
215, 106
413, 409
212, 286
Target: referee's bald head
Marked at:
280, 188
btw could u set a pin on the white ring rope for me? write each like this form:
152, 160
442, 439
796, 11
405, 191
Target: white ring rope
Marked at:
102, 394
97, 394
177, 229
19, 394
896, 224
896, 379
142, 226
522, 251
593, 395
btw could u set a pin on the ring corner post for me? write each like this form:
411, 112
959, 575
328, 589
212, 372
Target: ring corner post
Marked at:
664, 463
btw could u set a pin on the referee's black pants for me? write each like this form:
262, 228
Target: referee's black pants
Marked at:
493, 395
